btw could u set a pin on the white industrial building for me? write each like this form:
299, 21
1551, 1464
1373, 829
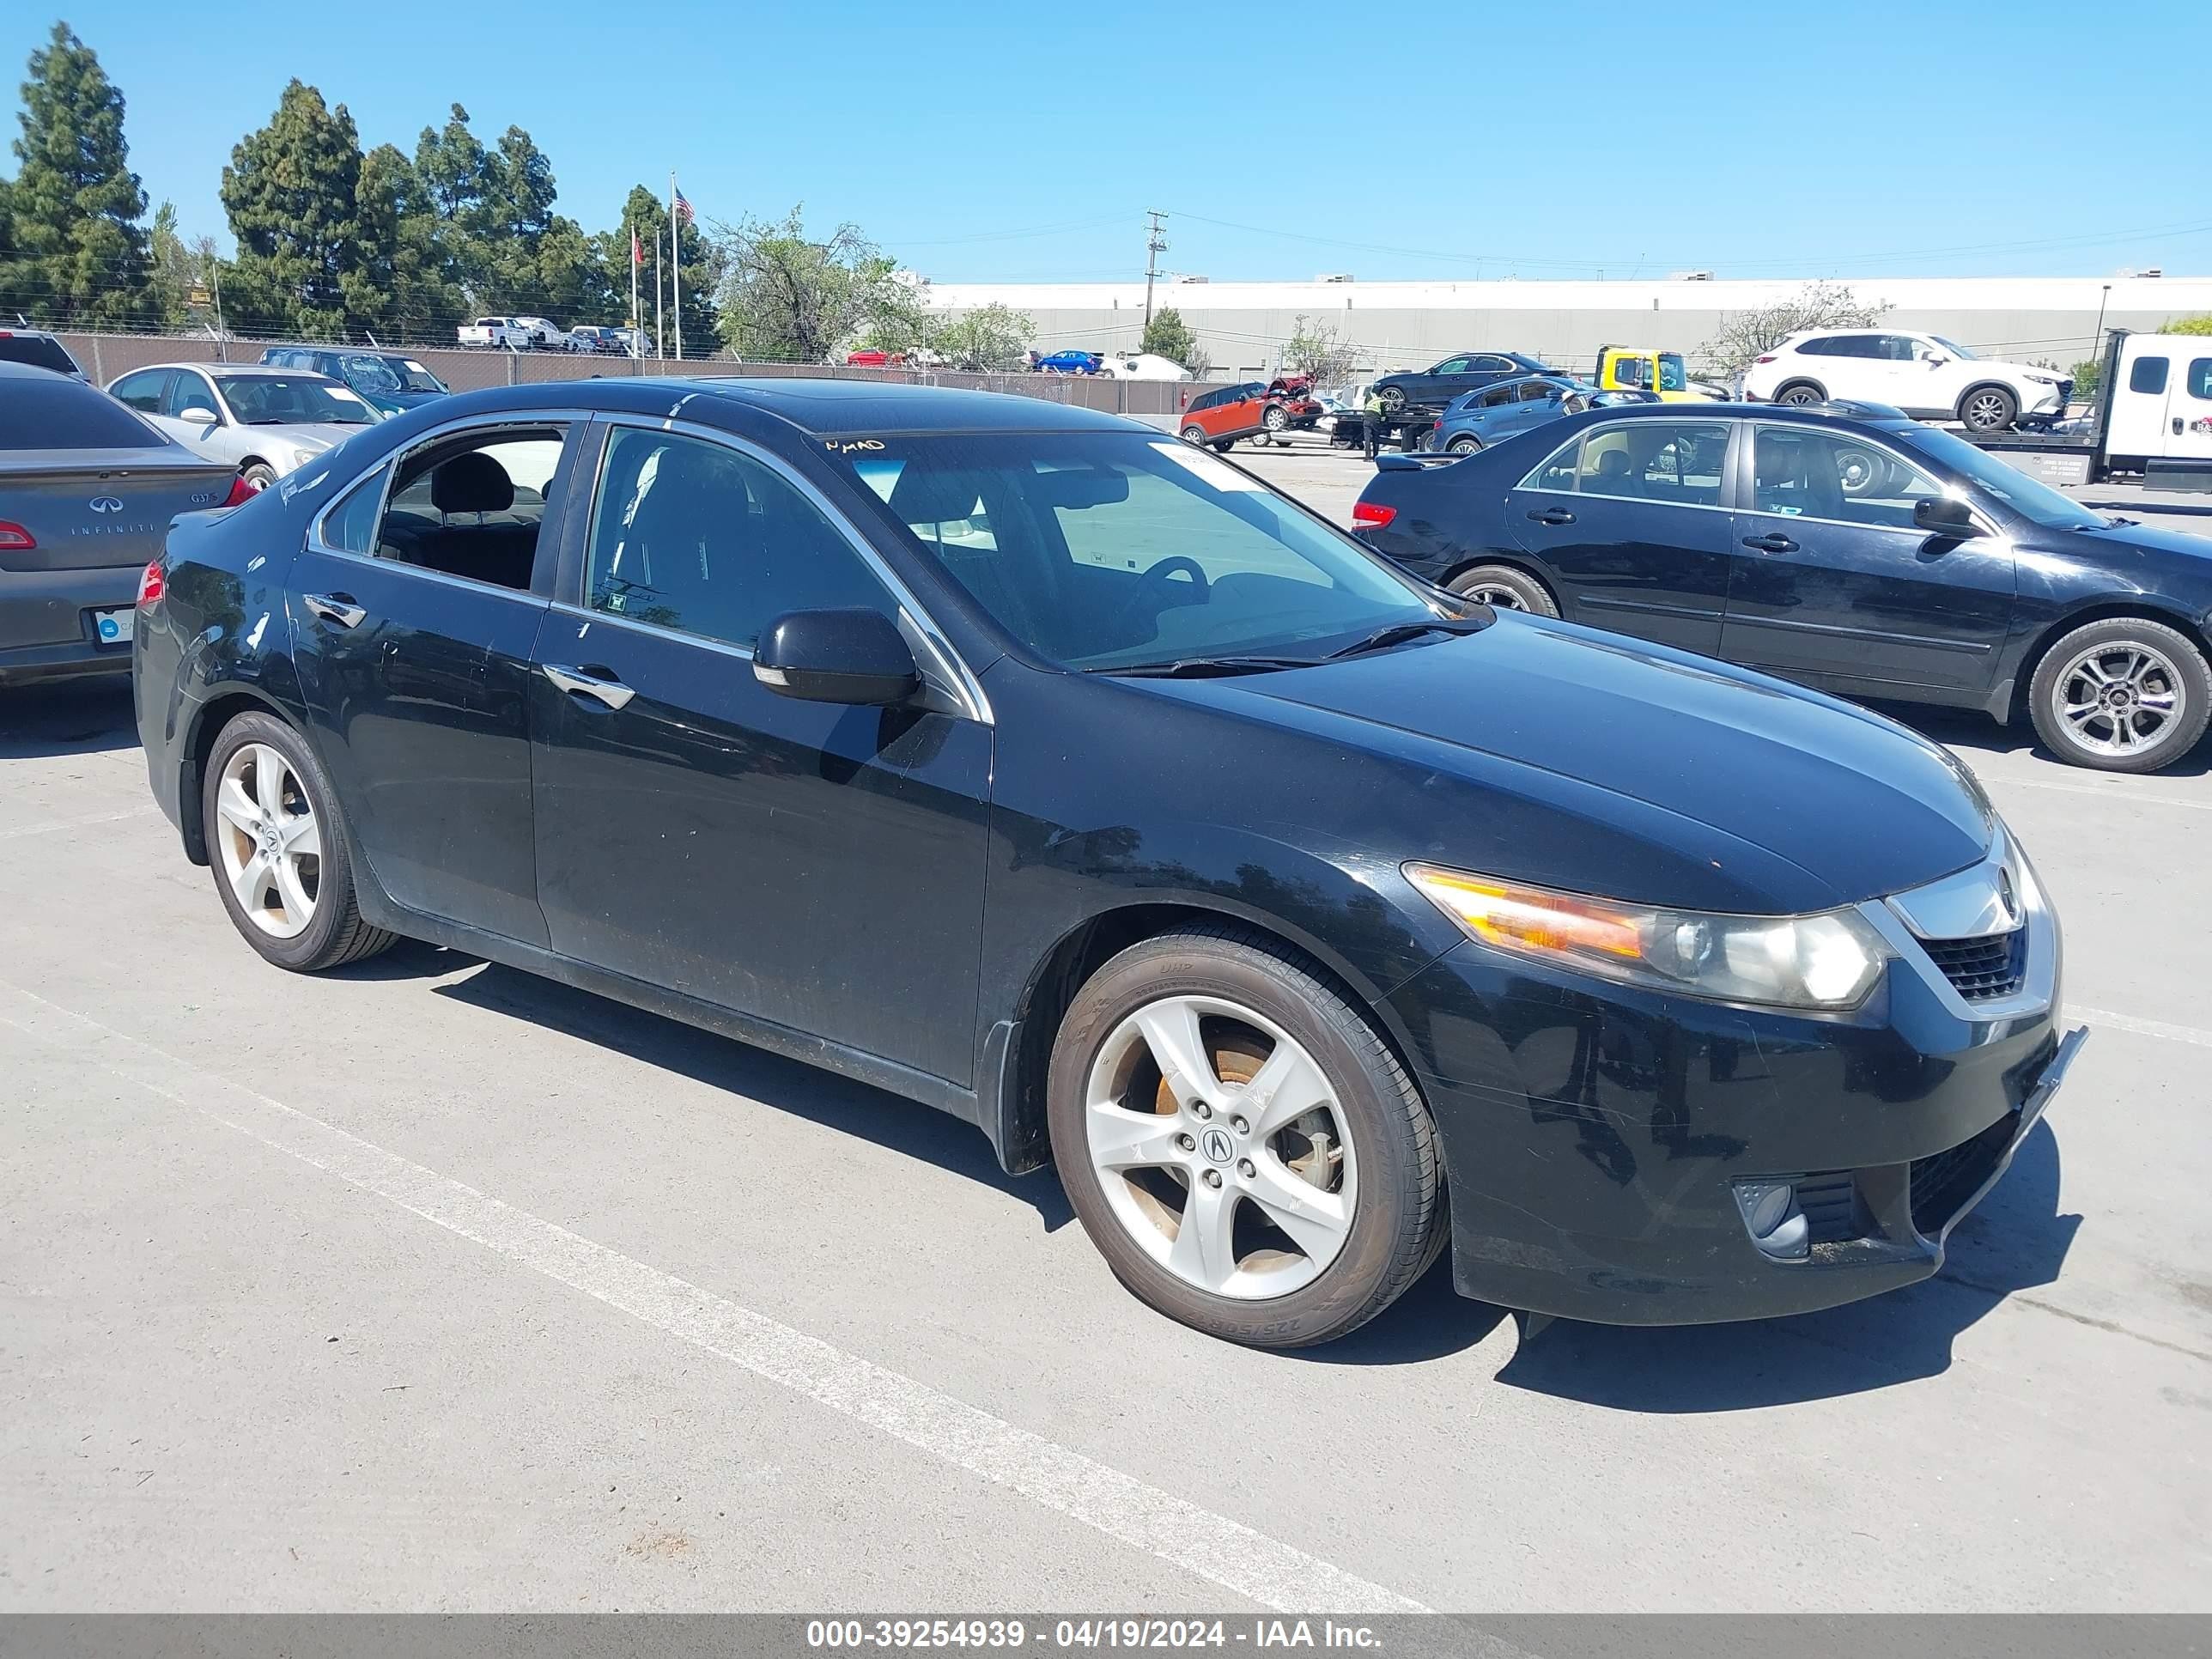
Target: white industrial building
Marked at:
1242, 326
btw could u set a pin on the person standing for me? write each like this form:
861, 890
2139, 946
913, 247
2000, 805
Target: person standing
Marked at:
1370, 421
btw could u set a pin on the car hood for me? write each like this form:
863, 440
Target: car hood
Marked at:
2151, 538
1689, 782
314, 436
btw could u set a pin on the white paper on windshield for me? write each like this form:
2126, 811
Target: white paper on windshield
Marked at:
1206, 466
414, 366
342, 394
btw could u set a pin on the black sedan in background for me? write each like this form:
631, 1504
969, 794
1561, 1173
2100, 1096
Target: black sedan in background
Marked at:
1056, 774
87, 492
1438, 384
1843, 546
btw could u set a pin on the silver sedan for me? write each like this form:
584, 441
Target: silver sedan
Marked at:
265, 422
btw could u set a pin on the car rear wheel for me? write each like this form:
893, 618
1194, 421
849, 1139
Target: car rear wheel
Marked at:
1988, 408
280, 856
1193, 434
1240, 1143
1800, 392
2123, 695
1503, 588
1465, 444
258, 475
1392, 399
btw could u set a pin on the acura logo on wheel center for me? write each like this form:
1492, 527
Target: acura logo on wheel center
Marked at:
105, 504
1214, 1143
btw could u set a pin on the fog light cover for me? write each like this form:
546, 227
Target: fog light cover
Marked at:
1772, 1218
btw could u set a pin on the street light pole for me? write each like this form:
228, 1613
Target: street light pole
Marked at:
1155, 245
2097, 345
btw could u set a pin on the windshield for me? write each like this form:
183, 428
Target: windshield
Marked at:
2023, 494
284, 400
416, 378
1109, 549
370, 375
1671, 377
1952, 347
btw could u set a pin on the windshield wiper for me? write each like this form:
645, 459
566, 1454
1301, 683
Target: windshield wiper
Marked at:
1192, 668
1398, 633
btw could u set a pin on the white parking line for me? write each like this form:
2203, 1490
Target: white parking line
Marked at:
1239, 1559
2154, 1028
51, 826
2119, 793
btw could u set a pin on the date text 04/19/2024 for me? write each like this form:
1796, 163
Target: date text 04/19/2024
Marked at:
1071, 1634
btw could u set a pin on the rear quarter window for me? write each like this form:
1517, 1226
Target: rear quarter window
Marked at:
2149, 375
39, 352
57, 413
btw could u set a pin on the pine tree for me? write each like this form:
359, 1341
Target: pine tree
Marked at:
169, 283
456, 175
405, 273
292, 190
72, 251
647, 215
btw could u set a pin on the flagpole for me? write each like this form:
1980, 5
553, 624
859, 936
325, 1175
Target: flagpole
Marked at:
675, 269
659, 337
636, 258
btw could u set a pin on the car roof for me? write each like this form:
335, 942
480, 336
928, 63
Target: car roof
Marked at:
820, 407
1851, 411
12, 370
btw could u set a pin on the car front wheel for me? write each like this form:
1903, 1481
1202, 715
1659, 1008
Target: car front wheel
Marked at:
1503, 588
1988, 408
2123, 695
1193, 434
1392, 399
1240, 1143
281, 860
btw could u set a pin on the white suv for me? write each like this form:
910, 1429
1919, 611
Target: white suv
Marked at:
1925, 375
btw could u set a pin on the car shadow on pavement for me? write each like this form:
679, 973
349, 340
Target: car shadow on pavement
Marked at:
1972, 734
73, 717
2015, 1242
809, 1091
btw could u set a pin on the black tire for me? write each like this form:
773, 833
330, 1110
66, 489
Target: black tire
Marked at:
1466, 444
335, 934
1398, 1217
1801, 392
2189, 682
1273, 418
1392, 399
257, 475
1988, 408
1494, 582
1224, 445
1193, 434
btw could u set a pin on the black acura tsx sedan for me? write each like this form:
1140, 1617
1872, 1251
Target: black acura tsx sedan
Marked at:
1055, 773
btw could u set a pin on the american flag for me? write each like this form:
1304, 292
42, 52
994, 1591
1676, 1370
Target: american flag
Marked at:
683, 209
637, 251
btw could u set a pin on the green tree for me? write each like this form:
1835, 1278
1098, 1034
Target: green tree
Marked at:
173, 272
1168, 336
2189, 325
788, 298
1315, 348
73, 250
404, 287
2087, 375
991, 336
455, 174
292, 190
1746, 336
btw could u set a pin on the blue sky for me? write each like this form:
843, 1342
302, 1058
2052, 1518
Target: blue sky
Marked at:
1023, 141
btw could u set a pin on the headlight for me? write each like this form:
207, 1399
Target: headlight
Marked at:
1826, 961
2042, 380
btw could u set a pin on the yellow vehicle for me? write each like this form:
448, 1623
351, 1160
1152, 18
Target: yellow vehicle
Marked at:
1637, 368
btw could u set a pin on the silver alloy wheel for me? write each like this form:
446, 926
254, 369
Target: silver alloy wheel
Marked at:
1244, 1184
269, 847
1496, 595
2130, 693
1985, 410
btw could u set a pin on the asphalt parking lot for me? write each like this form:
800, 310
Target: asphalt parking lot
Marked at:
429, 1284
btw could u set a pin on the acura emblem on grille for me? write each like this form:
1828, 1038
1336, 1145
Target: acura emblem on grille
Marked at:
105, 504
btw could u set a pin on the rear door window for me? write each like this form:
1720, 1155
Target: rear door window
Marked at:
141, 391
1677, 463
2149, 375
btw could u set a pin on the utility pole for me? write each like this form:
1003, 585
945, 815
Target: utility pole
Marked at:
1155, 246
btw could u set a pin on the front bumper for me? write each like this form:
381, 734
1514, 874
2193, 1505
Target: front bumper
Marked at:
1602, 1142
47, 630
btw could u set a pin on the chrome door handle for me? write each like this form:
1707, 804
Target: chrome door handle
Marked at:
1771, 544
613, 693
337, 608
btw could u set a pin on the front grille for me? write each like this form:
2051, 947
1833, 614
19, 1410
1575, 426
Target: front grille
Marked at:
1994, 965
1943, 1182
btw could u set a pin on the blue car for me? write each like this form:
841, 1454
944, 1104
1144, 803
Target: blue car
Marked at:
1477, 420
1071, 362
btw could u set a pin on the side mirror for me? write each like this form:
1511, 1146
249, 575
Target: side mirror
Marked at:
849, 656
201, 415
1945, 516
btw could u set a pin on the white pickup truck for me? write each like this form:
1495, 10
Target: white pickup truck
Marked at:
520, 334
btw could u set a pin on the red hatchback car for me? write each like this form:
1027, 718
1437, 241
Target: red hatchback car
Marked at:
1227, 413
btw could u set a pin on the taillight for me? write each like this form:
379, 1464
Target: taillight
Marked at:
151, 583
1372, 513
14, 538
1766, 359
240, 492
